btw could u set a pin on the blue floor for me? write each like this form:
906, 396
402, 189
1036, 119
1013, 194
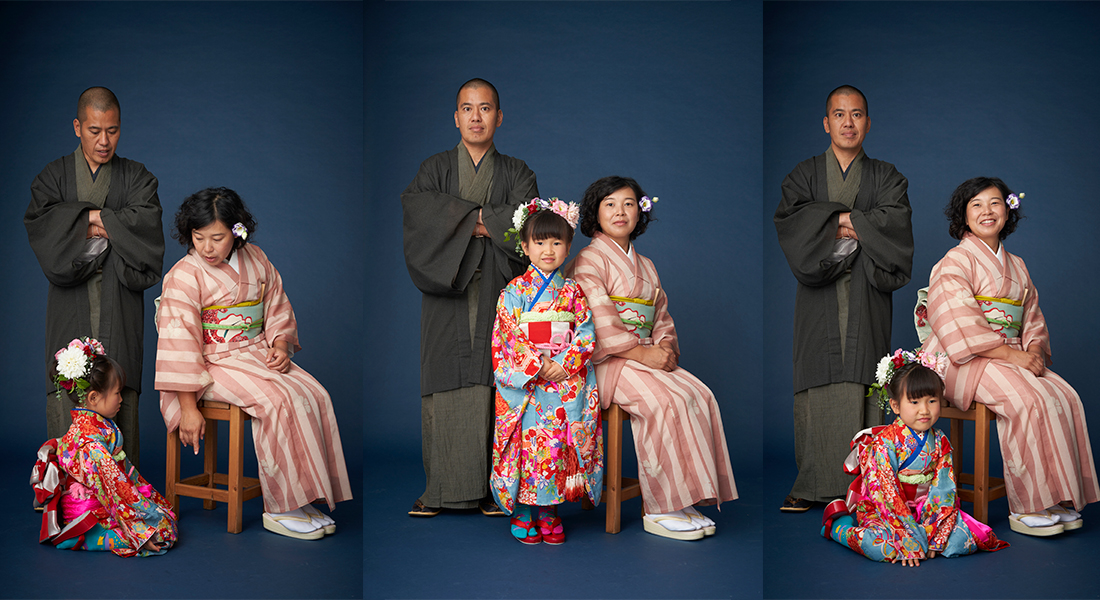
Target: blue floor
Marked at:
207, 562
800, 563
463, 554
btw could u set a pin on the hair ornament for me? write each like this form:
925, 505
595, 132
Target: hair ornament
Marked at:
646, 203
1013, 200
570, 211
240, 231
74, 362
889, 365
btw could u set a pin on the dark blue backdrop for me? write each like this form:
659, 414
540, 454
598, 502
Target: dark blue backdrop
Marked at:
266, 98
666, 93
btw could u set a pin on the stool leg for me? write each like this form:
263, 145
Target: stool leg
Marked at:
981, 466
172, 470
210, 458
613, 476
236, 469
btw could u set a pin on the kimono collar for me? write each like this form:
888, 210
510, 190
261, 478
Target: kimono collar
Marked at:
544, 280
913, 442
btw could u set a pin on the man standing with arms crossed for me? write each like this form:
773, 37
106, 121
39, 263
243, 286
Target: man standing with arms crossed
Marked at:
844, 226
94, 224
456, 212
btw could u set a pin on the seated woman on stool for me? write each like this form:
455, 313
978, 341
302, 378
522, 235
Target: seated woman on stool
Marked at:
682, 455
227, 332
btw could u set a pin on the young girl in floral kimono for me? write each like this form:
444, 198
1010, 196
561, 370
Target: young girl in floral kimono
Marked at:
547, 447
902, 505
227, 333
93, 498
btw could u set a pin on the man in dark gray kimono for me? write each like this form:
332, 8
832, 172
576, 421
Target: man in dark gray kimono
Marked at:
456, 212
94, 224
844, 226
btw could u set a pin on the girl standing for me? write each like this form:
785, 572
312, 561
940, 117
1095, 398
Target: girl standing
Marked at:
548, 442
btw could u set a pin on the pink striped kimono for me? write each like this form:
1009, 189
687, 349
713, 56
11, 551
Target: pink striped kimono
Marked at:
682, 455
293, 427
1040, 420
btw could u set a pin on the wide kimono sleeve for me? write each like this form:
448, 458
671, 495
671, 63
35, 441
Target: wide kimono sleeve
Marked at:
664, 329
1034, 328
181, 366
574, 359
515, 361
885, 230
807, 230
497, 218
590, 270
135, 517
279, 320
940, 513
57, 231
134, 231
956, 319
906, 536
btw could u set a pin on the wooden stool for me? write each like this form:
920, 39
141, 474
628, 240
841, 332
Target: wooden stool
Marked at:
985, 488
616, 488
238, 488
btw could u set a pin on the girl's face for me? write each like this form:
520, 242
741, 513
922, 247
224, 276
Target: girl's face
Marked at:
106, 403
986, 214
919, 413
546, 254
213, 243
618, 215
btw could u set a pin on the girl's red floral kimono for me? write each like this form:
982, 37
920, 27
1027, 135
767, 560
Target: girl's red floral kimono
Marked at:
94, 498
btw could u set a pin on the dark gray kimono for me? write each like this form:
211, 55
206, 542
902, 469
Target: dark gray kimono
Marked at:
57, 225
807, 223
442, 256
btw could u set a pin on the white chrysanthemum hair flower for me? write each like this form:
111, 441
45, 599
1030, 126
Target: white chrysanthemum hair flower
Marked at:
72, 363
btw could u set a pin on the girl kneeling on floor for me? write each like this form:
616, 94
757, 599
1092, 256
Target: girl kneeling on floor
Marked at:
92, 497
548, 443
902, 505
227, 333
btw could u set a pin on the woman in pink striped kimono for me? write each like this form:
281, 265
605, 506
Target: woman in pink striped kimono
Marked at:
984, 312
227, 332
682, 455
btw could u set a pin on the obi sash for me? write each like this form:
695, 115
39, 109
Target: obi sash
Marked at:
551, 332
1004, 315
234, 323
637, 314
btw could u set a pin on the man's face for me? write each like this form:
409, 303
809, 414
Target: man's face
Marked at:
98, 132
847, 123
477, 117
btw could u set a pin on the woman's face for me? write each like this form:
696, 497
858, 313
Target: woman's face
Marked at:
618, 215
213, 242
986, 214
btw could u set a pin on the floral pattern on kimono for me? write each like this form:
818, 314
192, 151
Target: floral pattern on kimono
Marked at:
91, 455
904, 500
539, 422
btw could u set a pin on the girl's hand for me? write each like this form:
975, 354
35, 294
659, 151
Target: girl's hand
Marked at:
931, 554
151, 545
909, 562
1032, 360
552, 371
658, 357
192, 428
278, 359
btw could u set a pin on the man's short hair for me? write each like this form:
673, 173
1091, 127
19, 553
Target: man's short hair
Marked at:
476, 83
847, 90
99, 98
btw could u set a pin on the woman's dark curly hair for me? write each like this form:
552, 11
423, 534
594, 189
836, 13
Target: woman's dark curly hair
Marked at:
213, 204
602, 188
956, 208
914, 380
102, 376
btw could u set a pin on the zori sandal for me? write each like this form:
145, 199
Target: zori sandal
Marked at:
550, 526
326, 522
298, 526
685, 528
523, 526
1041, 524
705, 523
